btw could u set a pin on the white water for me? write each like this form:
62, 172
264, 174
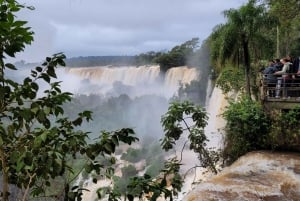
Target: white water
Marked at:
134, 81
102, 79
255, 176
215, 108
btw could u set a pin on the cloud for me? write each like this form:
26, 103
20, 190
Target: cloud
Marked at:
118, 27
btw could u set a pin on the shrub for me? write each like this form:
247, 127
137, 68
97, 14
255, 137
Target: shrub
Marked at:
246, 129
285, 130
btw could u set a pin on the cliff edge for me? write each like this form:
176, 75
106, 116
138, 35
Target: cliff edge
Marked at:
256, 176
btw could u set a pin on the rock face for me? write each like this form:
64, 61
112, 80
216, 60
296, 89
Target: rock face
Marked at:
256, 176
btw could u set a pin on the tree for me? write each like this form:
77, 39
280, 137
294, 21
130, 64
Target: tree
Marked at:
37, 140
176, 121
183, 119
288, 15
178, 56
247, 129
243, 32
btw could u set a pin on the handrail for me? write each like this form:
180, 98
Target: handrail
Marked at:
280, 87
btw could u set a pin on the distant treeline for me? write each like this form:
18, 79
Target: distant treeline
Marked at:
186, 54
142, 59
100, 61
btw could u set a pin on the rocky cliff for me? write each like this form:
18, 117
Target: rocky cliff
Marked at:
256, 176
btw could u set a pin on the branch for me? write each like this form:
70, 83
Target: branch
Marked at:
5, 181
28, 187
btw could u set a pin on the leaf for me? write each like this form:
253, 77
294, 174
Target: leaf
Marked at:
41, 116
37, 142
35, 86
130, 197
10, 17
108, 148
20, 165
51, 72
77, 122
95, 180
47, 110
19, 23
39, 69
11, 66
44, 136
45, 77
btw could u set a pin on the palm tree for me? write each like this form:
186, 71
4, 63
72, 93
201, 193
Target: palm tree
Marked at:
245, 30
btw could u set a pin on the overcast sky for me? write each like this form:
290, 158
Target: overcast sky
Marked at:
118, 27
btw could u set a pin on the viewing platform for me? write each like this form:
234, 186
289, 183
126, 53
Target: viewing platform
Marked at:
280, 93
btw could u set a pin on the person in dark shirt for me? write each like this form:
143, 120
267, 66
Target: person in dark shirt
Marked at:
269, 78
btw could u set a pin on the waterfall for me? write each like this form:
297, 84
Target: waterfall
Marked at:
215, 107
147, 80
259, 175
134, 81
108, 75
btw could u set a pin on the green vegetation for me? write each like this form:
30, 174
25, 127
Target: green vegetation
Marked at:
178, 56
250, 128
257, 31
288, 16
246, 129
176, 120
138, 60
37, 141
121, 183
244, 38
194, 92
285, 130
43, 149
231, 80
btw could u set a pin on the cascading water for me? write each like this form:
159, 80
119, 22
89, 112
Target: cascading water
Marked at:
136, 81
257, 176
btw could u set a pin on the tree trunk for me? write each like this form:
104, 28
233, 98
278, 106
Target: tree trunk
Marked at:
277, 43
247, 66
5, 188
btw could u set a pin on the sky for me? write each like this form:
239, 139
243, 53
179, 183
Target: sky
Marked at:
117, 27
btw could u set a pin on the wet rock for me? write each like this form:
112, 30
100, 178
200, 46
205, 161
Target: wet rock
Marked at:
255, 176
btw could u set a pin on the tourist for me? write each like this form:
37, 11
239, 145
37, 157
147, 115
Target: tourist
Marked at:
269, 78
283, 79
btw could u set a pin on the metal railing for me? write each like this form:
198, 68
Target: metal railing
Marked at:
281, 88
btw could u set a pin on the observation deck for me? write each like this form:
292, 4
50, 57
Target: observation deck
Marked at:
279, 93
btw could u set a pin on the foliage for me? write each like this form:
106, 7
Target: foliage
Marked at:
194, 92
137, 60
132, 155
37, 140
121, 183
246, 129
178, 56
34, 149
155, 166
146, 186
147, 58
14, 34
287, 13
242, 38
231, 79
285, 130
177, 120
